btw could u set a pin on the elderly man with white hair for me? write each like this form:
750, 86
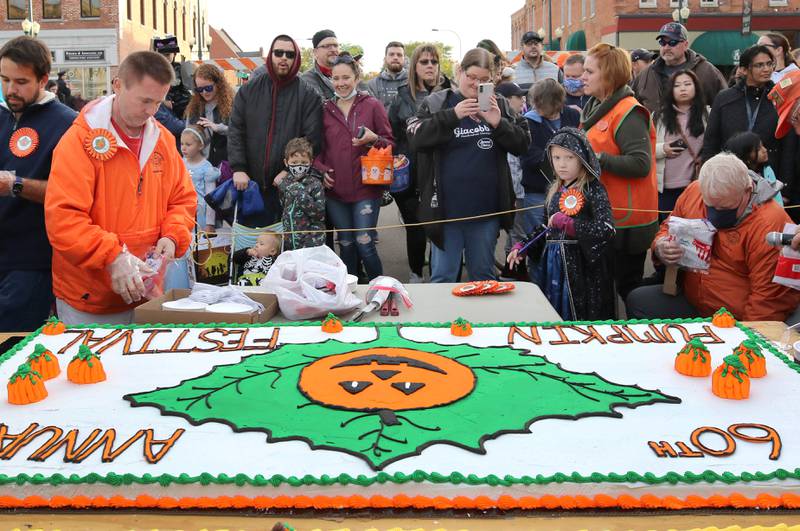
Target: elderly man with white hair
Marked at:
740, 205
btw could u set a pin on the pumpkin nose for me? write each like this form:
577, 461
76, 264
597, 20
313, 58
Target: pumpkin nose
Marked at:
384, 375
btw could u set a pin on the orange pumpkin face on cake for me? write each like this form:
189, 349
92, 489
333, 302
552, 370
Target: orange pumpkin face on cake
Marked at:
384, 378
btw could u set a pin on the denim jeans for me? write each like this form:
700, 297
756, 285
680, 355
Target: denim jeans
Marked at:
476, 240
356, 244
531, 219
25, 299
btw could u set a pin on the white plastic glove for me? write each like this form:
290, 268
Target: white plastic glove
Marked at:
126, 276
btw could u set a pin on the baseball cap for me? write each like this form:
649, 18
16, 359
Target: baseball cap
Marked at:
674, 30
640, 53
784, 95
531, 36
509, 89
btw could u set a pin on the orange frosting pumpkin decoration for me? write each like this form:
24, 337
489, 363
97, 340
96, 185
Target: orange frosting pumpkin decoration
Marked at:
571, 202
693, 359
44, 362
461, 327
730, 380
332, 325
751, 357
85, 367
53, 327
385, 378
26, 386
723, 319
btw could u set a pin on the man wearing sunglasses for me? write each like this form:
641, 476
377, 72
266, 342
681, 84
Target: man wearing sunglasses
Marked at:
268, 111
326, 50
674, 56
394, 74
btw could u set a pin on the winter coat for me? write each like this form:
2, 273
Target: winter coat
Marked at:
650, 84
303, 202
526, 76
433, 129
319, 82
384, 86
339, 153
742, 262
661, 157
402, 109
729, 117
23, 239
537, 173
94, 207
268, 112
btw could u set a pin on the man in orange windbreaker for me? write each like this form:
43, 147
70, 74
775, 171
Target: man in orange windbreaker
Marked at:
741, 207
117, 188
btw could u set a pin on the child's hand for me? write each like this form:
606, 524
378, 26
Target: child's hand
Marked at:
514, 258
279, 178
210, 229
252, 252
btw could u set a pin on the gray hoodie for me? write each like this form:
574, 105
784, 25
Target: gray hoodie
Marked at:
526, 75
384, 86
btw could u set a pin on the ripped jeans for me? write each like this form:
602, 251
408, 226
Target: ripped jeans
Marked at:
356, 244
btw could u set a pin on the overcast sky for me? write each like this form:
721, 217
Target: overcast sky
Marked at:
254, 23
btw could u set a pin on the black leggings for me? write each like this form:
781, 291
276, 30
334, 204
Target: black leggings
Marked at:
408, 203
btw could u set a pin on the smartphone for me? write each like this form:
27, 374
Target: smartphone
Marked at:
485, 92
678, 144
361, 131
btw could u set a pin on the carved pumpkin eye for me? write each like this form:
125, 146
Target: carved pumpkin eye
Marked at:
354, 387
408, 387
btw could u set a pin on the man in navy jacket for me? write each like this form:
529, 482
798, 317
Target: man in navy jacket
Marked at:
32, 122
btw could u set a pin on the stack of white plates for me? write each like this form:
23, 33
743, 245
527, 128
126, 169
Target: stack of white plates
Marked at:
184, 305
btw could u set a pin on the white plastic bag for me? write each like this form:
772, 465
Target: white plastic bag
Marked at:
696, 237
310, 283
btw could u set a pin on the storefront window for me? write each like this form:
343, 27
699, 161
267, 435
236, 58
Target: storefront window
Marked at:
17, 9
90, 8
88, 82
51, 8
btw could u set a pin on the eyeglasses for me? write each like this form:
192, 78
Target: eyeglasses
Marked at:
331, 46
476, 79
427, 62
532, 43
290, 54
668, 42
344, 58
760, 66
207, 88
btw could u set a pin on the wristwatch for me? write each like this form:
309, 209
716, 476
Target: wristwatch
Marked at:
16, 188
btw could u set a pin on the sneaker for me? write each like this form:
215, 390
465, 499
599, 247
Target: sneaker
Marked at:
414, 278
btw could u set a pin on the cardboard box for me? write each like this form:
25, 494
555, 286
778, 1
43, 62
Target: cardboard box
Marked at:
150, 312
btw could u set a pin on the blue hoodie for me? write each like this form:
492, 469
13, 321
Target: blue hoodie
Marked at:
23, 240
536, 170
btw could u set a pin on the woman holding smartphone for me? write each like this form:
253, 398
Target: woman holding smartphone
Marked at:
463, 172
352, 122
680, 126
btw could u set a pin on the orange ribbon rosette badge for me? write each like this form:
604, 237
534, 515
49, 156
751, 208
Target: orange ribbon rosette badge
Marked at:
23, 142
100, 144
571, 202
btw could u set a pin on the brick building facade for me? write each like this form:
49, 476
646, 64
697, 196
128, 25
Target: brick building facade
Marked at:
715, 26
88, 38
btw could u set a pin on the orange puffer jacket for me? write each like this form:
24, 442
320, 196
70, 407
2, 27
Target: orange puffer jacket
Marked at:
742, 263
93, 207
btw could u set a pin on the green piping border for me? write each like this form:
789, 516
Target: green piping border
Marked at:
400, 478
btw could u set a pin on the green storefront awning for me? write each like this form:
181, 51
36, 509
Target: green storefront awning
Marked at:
723, 47
576, 41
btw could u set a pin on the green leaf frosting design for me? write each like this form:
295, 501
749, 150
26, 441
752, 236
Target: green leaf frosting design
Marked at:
260, 393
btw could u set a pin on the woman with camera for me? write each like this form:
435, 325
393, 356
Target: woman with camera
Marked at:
680, 126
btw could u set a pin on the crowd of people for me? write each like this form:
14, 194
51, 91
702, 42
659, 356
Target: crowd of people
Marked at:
581, 163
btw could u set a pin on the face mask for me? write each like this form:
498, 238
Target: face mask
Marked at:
298, 170
573, 85
722, 218
349, 96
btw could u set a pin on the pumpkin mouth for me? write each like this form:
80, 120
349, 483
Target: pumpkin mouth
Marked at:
386, 378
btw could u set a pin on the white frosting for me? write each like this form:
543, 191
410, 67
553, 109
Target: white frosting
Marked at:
589, 445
